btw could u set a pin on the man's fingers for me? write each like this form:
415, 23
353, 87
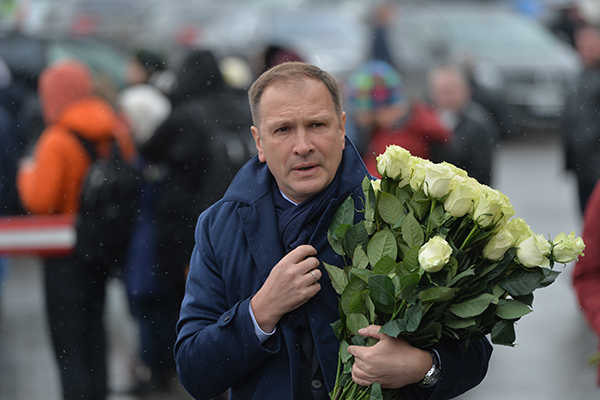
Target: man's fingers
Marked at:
301, 252
372, 331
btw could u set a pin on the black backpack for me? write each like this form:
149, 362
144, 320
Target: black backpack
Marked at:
109, 202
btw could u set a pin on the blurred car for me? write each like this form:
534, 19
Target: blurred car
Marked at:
519, 70
26, 56
329, 34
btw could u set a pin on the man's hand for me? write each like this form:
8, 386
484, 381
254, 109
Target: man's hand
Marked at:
291, 283
391, 362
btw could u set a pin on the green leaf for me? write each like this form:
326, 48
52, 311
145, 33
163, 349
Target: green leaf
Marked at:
370, 199
512, 309
382, 244
363, 274
382, 290
341, 231
357, 303
503, 333
521, 282
338, 277
454, 322
385, 266
344, 215
526, 299
551, 276
411, 260
344, 355
405, 285
390, 208
414, 314
355, 237
473, 307
375, 392
371, 309
437, 294
420, 203
359, 258
355, 284
438, 216
498, 291
468, 272
335, 244
354, 322
394, 328
412, 233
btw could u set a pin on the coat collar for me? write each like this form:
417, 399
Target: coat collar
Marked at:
252, 186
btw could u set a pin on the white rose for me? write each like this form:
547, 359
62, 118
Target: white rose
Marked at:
529, 253
567, 248
434, 254
437, 180
419, 171
462, 196
492, 207
498, 244
394, 163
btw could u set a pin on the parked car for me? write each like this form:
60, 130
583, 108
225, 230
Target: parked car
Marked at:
519, 70
26, 56
329, 34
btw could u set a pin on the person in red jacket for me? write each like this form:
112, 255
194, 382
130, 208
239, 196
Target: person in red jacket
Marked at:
586, 274
384, 116
50, 183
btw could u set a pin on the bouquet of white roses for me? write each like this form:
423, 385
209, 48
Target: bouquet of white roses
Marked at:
437, 257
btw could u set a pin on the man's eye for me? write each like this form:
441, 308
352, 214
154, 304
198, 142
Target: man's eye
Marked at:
282, 129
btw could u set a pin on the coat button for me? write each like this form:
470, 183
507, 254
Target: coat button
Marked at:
226, 318
316, 384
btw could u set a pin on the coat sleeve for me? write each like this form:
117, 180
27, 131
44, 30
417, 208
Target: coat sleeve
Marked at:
216, 345
42, 182
462, 370
586, 274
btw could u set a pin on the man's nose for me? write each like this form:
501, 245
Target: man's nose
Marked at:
304, 145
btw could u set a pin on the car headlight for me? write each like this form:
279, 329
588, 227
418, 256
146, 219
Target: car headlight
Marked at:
487, 76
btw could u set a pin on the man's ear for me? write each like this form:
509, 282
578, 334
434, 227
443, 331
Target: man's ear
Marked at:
256, 136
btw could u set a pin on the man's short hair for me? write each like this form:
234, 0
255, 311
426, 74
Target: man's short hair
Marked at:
292, 72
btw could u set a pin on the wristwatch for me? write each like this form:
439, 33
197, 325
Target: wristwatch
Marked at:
434, 372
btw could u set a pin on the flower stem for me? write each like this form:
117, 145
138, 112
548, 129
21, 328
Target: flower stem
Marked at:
469, 236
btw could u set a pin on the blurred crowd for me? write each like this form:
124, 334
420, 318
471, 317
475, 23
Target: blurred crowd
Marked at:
185, 125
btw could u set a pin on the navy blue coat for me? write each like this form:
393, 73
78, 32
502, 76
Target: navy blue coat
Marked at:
237, 245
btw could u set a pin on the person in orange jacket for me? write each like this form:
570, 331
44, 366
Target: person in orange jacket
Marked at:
50, 183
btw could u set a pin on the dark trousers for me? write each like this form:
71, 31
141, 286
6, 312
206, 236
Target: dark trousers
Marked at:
75, 303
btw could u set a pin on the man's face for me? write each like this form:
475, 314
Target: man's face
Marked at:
448, 92
300, 137
587, 41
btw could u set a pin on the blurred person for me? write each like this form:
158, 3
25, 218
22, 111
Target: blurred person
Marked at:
472, 145
9, 201
195, 146
384, 116
565, 22
144, 108
258, 308
142, 65
586, 274
275, 54
382, 19
579, 127
50, 183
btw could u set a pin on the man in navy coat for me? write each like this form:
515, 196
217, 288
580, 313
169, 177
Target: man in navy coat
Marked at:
258, 305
